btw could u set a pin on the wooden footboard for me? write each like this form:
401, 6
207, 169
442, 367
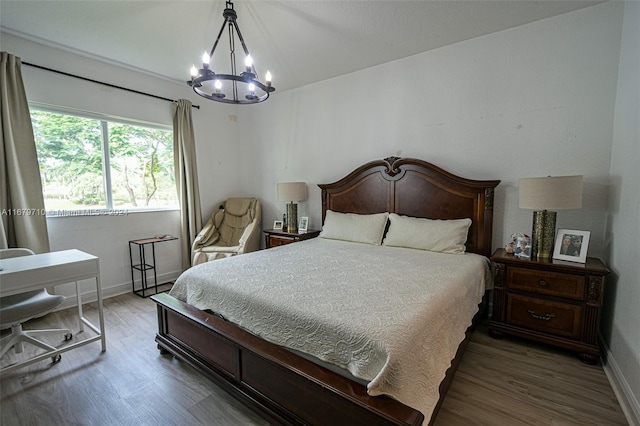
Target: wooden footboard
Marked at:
285, 387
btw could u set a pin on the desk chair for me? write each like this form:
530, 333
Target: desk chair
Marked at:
20, 308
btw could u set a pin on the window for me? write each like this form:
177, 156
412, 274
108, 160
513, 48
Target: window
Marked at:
94, 164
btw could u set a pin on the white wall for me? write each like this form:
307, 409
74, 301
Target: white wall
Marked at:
535, 100
621, 328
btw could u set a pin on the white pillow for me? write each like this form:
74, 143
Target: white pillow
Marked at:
359, 228
446, 236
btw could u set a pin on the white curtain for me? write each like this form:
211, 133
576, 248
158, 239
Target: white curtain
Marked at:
22, 219
184, 157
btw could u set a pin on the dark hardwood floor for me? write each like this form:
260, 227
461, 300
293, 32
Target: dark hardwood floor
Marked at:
499, 382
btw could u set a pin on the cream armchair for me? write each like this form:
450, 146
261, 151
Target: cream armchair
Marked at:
234, 228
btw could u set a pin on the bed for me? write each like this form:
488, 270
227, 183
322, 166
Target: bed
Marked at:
287, 385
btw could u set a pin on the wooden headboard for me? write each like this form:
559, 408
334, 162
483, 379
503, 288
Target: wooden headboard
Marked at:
412, 187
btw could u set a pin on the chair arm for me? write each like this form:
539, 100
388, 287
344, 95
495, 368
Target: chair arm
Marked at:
207, 236
246, 239
220, 249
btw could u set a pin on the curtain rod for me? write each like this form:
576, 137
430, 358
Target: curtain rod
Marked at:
103, 83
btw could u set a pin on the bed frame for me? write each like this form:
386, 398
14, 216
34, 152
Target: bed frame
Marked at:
288, 389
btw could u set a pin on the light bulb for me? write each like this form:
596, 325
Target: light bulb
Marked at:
205, 58
217, 93
267, 77
252, 87
248, 61
194, 71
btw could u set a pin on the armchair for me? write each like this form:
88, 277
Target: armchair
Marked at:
234, 228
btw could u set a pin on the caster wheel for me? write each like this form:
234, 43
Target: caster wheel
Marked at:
68, 337
56, 359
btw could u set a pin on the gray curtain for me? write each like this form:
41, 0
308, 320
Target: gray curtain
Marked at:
22, 219
184, 157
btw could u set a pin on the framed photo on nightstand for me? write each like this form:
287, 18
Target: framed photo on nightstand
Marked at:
571, 245
304, 224
277, 225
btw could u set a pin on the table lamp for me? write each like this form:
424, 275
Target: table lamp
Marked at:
290, 192
543, 194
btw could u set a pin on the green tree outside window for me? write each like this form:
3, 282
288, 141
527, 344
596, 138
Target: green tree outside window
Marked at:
74, 169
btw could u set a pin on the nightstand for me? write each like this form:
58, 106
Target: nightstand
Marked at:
550, 301
276, 237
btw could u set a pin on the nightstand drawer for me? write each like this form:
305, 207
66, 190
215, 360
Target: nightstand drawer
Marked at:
561, 319
543, 282
279, 241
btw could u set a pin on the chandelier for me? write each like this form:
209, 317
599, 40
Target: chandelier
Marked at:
233, 88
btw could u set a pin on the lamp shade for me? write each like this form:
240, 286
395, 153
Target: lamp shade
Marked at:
292, 191
551, 193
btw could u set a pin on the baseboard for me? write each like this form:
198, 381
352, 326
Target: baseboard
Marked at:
113, 290
628, 401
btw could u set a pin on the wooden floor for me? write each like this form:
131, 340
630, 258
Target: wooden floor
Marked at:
500, 382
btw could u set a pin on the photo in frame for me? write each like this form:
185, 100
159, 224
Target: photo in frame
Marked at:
523, 247
304, 224
571, 245
277, 225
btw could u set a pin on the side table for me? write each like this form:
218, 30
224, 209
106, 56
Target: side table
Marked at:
277, 237
143, 265
550, 301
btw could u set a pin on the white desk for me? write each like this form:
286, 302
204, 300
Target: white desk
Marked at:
21, 274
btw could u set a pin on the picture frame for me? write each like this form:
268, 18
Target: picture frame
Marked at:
571, 245
304, 224
523, 247
277, 225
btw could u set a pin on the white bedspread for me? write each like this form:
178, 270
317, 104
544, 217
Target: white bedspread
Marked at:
391, 316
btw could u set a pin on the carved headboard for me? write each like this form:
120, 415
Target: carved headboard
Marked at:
412, 187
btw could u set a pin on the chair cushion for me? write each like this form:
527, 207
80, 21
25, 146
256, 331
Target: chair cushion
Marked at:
19, 308
238, 206
15, 252
238, 214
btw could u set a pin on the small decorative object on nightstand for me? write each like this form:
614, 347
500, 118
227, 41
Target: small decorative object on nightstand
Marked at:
571, 245
549, 301
304, 224
275, 238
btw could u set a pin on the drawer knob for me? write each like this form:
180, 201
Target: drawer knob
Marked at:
543, 283
545, 317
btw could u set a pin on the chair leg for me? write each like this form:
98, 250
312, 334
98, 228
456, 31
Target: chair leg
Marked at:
64, 331
11, 340
5, 339
28, 339
19, 336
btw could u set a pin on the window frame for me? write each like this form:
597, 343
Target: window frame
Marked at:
104, 120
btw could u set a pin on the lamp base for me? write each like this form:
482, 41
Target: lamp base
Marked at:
543, 234
292, 217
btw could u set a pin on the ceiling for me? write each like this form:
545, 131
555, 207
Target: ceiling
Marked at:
300, 42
